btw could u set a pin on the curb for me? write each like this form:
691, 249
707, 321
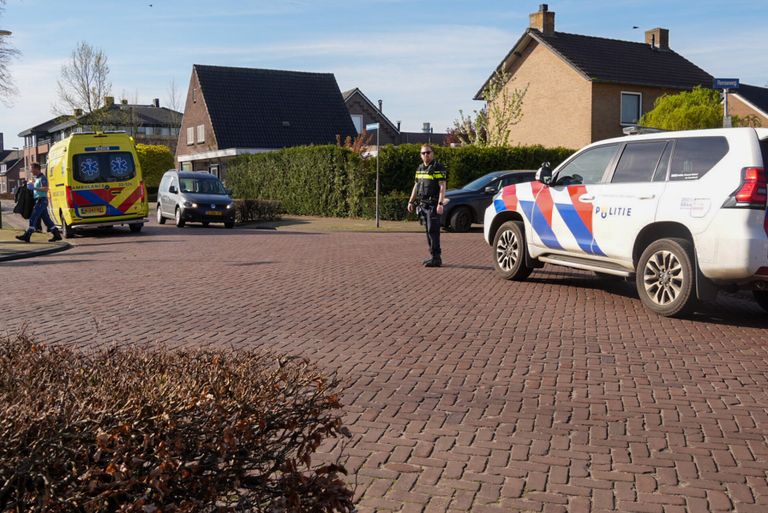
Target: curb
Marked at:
40, 252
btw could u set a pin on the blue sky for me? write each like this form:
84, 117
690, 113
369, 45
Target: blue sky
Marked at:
424, 58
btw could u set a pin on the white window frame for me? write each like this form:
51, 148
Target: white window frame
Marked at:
200, 134
639, 107
357, 120
190, 135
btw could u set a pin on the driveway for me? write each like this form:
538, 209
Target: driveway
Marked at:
464, 392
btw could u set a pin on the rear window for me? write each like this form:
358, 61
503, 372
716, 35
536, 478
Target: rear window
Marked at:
95, 167
693, 157
764, 149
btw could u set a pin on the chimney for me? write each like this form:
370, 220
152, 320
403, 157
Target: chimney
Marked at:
425, 127
109, 101
156, 102
380, 104
543, 20
398, 125
657, 38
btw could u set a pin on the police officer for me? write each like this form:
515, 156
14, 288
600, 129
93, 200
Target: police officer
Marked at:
427, 197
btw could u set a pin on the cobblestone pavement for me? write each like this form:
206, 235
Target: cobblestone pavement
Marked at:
464, 392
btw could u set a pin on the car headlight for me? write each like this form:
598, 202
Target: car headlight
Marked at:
189, 204
230, 205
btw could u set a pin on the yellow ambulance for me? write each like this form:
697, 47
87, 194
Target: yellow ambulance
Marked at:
95, 180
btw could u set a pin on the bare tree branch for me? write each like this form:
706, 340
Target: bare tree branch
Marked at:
84, 81
7, 54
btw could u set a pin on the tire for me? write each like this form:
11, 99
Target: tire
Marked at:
206, 223
229, 224
179, 221
160, 218
761, 296
666, 278
66, 230
461, 219
135, 227
509, 251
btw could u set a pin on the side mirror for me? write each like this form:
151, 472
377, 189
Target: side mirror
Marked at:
544, 174
491, 190
172, 190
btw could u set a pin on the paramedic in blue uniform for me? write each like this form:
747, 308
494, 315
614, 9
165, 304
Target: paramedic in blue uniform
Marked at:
40, 210
427, 198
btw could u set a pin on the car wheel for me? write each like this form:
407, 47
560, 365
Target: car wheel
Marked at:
67, 230
229, 224
509, 251
761, 296
160, 218
206, 223
135, 227
665, 277
461, 219
179, 221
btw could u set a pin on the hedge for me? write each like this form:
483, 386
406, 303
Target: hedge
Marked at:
154, 159
333, 181
134, 430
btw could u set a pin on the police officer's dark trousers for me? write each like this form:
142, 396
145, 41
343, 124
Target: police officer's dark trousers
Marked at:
428, 212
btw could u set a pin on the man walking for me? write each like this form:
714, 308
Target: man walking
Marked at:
427, 196
40, 210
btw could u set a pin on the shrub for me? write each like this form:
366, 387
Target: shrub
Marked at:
135, 430
257, 210
392, 207
154, 159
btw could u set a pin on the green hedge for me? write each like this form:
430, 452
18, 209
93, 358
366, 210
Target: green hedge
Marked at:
249, 210
306, 180
154, 159
392, 207
333, 181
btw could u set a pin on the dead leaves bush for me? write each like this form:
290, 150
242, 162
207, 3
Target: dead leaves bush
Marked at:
150, 431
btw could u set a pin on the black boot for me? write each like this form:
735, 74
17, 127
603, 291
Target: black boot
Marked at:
25, 237
434, 262
56, 235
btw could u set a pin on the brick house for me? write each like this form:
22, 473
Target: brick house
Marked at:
235, 111
749, 100
583, 89
10, 166
148, 124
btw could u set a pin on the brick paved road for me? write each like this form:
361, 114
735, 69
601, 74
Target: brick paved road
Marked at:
465, 392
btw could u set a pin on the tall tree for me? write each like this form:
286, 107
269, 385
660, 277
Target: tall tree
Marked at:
84, 81
7, 53
492, 125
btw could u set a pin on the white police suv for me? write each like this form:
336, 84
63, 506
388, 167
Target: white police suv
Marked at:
683, 213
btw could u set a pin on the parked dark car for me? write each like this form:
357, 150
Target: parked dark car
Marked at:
467, 205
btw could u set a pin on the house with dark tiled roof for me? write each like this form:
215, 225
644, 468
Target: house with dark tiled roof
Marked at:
749, 100
364, 112
10, 165
234, 111
148, 124
582, 89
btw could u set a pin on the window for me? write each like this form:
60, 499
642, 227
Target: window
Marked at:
663, 167
103, 167
587, 167
357, 120
630, 108
693, 157
638, 162
149, 130
191, 135
200, 133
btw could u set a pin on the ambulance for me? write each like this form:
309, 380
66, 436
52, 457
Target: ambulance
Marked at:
95, 181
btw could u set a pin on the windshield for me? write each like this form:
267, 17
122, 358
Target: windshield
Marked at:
480, 183
202, 185
103, 167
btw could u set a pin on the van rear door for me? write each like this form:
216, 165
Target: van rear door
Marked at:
105, 184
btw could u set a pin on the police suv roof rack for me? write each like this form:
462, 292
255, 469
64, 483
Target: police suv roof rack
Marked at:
637, 130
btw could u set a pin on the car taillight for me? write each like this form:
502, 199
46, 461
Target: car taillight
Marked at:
142, 191
70, 198
752, 191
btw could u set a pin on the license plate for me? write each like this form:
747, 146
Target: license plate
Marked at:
213, 213
92, 211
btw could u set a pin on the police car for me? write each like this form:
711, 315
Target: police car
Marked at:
681, 213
